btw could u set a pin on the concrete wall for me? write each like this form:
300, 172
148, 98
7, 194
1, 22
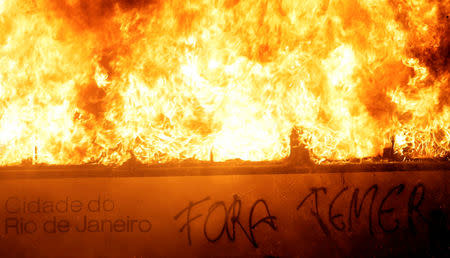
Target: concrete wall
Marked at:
306, 215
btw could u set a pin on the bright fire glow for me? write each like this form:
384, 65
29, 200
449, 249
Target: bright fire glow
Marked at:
101, 81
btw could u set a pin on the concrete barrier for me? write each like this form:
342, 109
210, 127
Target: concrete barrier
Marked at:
314, 214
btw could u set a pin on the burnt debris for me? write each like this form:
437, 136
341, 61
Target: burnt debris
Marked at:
299, 154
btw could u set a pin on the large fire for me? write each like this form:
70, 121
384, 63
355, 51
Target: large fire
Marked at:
101, 81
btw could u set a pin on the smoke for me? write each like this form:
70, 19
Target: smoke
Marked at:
428, 27
93, 14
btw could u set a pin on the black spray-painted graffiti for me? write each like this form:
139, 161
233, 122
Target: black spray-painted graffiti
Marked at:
232, 219
383, 211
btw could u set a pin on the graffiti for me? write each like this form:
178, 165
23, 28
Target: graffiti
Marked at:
232, 219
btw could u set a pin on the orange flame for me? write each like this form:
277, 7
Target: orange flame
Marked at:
104, 80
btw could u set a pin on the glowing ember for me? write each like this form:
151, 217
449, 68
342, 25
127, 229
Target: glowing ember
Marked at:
104, 80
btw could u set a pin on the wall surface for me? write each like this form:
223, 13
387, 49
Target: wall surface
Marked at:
306, 215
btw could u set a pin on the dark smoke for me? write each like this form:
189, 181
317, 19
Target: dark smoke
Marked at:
88, 14
432, 49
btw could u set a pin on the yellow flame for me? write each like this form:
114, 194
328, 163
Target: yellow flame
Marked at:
104, 80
